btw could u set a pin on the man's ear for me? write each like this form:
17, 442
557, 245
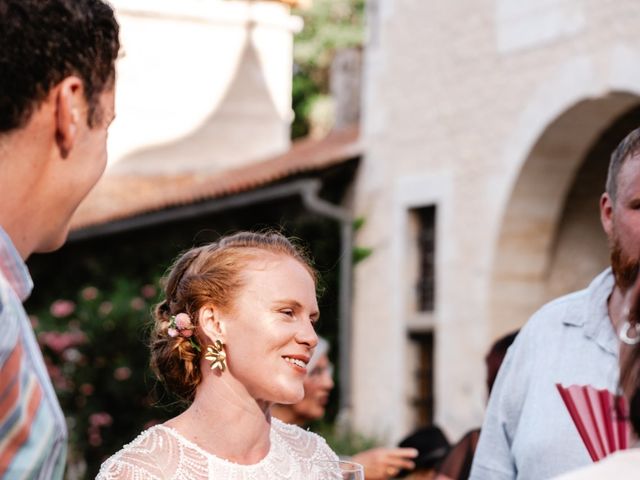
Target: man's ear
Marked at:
606, 213
212, 324
69, 101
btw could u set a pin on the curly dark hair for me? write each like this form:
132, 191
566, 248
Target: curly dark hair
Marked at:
44, 41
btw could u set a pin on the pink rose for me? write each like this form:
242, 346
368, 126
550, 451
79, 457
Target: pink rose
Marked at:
100, 419
60, 341
186, 333
183, 321
148, 291
137, 303
72, 355
62, 308
105, 308
86, 389
173, 332
122, 373
89, 293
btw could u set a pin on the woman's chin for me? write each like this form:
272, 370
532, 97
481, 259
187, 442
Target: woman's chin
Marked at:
291, 396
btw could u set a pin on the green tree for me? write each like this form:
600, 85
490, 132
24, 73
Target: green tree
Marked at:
329, 25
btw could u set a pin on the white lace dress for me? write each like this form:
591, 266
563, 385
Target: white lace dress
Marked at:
162, 453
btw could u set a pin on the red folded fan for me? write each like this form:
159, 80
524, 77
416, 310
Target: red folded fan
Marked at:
600, 416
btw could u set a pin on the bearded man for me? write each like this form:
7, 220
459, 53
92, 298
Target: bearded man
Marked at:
575, 339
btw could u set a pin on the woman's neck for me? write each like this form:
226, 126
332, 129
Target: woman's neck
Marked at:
226, 422
286, 414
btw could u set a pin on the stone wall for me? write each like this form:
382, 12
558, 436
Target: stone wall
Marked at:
487, 109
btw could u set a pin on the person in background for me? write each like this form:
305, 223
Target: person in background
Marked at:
457, 464
233, 336
379, 463
57, 76
574, 339
432, 446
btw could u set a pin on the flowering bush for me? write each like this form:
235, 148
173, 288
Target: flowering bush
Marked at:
95, 339
94, 346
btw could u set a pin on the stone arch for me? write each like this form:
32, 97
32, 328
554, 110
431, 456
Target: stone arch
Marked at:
529, 267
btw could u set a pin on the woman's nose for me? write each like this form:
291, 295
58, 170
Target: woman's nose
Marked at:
307, 335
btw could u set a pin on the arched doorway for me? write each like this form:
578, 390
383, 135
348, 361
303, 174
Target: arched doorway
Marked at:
550, 240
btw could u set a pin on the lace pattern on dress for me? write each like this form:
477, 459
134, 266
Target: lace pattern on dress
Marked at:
162, 453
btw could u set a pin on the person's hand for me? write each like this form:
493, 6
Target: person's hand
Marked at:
385, 463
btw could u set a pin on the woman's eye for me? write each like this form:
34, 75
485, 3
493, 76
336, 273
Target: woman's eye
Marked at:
287, 312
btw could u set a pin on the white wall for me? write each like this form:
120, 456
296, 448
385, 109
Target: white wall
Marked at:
202, 84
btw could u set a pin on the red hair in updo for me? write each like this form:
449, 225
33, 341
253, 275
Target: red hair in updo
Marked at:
210, 274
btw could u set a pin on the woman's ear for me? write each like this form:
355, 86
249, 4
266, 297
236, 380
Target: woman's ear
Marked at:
210, 321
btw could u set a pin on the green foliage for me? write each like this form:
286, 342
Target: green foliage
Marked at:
94, 348
304, 94
360, 253
329, 25
358, 223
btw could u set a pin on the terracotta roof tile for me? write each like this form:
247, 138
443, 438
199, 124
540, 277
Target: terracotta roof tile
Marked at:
117, 197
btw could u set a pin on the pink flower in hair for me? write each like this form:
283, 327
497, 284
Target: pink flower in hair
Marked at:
183, 321
180, 326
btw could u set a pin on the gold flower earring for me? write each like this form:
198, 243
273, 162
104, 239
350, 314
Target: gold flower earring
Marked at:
216, 355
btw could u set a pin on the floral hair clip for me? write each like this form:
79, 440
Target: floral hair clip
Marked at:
180, 326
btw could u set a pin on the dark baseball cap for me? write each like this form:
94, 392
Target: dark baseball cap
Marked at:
432, 447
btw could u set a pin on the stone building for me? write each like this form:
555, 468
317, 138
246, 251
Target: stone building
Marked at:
485, 132
487, 127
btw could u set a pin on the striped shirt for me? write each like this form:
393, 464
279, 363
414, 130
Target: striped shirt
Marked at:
33, 433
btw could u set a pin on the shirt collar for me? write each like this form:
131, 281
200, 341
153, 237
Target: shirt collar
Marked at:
13, 267
595, 318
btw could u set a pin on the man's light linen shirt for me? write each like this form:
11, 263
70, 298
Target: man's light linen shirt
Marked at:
527, 432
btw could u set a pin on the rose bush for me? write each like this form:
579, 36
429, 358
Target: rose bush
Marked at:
94, 346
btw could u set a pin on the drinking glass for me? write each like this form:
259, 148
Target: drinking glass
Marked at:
337, 470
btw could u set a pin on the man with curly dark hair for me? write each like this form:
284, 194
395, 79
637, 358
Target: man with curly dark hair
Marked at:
57, 76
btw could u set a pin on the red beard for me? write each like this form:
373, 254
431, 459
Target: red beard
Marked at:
625, 268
